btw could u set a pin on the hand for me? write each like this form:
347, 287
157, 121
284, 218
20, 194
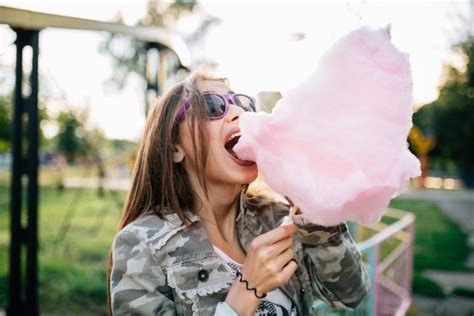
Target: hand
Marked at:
268, 265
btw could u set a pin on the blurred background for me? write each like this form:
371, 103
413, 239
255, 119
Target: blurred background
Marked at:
100, 64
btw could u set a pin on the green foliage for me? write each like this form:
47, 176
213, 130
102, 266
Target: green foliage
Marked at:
68, 141
5, 123
451, 116
6, 115
427, 287
463, 292
73, 139
128, 53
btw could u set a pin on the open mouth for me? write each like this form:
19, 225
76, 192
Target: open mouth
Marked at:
231, 142
229, 145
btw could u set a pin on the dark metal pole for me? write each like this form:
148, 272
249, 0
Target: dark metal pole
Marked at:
33, 140
14, 298
23, 292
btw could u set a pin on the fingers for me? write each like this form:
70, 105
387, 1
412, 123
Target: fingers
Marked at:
288, 270
284, 258
268, 263
279, 247
276, 234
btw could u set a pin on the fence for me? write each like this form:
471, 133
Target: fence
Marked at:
387, 251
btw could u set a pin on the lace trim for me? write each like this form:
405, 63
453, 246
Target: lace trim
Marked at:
202, 291
194, 294
164, 239
194, 307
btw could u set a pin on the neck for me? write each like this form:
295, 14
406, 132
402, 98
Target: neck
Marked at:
218, 210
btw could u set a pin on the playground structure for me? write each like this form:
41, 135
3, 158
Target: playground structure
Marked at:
23, 290
387, 249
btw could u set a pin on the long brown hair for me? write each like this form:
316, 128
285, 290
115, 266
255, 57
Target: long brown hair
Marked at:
159, 185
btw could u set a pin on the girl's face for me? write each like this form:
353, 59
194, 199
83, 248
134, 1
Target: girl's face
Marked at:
222, 166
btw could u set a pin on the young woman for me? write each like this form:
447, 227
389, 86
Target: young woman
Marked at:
192, 240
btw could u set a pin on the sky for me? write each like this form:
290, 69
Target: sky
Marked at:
254, 45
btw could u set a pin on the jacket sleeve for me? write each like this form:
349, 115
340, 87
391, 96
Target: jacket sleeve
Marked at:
336, 272
137, 283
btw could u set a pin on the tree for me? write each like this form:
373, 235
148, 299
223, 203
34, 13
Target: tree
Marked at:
6, 114
68, 140
5, 123
451, 116
127, 52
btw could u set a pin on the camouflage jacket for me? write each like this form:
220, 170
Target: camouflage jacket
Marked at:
162, 267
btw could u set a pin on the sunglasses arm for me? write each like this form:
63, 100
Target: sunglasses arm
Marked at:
183, 109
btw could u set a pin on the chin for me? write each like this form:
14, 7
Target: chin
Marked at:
238, 175
229, 169
249, 175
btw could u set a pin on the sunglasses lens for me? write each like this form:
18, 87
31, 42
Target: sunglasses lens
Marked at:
215, 105
244, 102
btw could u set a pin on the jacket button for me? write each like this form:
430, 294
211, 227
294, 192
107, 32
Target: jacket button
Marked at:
203, 275
302, 291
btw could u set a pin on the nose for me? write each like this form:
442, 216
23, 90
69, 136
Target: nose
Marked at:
233, 113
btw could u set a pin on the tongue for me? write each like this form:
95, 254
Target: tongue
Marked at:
230, 145
229, 149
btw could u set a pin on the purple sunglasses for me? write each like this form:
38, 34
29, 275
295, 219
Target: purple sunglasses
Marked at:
218, 104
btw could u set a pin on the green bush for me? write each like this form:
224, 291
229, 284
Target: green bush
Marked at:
427, 287
463, 292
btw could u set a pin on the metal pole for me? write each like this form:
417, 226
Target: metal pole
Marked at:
23, 292
15, 295
33, 139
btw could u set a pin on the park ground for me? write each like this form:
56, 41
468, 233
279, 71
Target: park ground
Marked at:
76, 227
444, 286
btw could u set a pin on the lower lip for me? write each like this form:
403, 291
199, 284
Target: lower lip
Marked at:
244, 163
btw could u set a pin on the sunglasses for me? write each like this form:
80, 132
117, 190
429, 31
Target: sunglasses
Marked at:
217, 105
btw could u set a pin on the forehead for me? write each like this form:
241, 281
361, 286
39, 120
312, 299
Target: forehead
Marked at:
213, 86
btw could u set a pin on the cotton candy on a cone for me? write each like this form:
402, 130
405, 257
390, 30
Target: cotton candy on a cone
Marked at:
337, 143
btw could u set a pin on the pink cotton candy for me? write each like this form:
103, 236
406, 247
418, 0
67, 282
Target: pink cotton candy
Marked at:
337, 143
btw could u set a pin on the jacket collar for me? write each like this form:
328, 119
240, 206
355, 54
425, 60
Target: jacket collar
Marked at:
199, 247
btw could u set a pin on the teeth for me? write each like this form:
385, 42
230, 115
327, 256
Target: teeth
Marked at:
234, 136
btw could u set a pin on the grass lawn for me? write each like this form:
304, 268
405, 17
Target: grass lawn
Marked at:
73, 266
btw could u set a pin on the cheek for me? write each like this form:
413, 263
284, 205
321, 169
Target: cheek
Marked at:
215, 156
186, 142
212, 131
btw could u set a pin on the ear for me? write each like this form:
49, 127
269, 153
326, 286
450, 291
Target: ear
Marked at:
178, 154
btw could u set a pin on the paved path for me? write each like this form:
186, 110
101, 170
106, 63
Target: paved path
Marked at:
458, 205
450, 306
450, 280
93, 182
